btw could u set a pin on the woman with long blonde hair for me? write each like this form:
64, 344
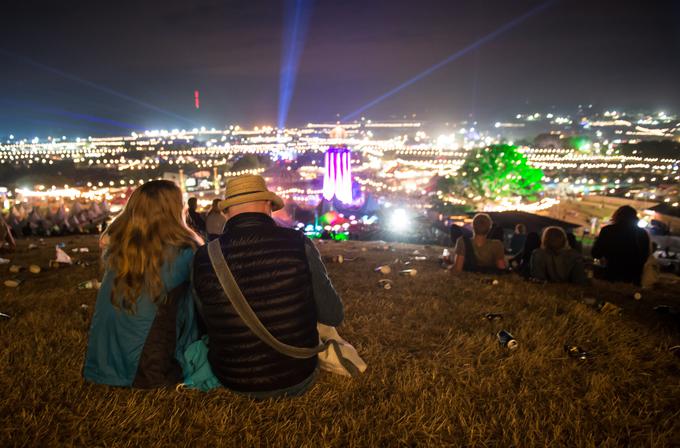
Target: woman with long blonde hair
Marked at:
144, 317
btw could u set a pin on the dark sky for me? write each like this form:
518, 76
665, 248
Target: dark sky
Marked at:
609, 53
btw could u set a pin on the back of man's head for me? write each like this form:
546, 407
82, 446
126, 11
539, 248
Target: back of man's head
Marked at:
192, 203
250, 207
481, 224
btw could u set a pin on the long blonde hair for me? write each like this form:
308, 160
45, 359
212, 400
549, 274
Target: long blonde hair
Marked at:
148, 233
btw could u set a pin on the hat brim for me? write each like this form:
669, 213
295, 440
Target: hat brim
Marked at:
277, 202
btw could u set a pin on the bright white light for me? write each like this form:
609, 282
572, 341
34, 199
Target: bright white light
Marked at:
399, 221
643, 223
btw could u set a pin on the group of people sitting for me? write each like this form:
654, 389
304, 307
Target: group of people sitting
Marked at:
621, 249
7, 243
24, 219
162, 316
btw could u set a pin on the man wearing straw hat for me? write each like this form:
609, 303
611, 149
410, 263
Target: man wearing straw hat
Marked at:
282, 278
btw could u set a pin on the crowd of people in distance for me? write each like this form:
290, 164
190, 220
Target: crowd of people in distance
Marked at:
24, 219
210, 224
167, 312
185, 295
620, 252
7, 243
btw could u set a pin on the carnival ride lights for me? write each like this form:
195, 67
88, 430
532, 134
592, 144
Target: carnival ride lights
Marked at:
337, 179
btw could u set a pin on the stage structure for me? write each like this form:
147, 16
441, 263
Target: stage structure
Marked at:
337, 179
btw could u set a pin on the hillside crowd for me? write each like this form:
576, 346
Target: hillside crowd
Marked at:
254, 310
621, 252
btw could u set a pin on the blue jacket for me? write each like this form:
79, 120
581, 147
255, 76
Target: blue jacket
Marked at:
139, 349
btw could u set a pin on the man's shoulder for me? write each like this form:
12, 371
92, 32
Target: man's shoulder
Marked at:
288, 233
201, 255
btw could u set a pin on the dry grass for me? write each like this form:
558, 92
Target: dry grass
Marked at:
436, 374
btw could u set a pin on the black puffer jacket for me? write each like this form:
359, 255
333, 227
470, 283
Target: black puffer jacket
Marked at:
270, 266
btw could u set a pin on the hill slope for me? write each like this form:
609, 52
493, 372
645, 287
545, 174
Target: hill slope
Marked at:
436, 376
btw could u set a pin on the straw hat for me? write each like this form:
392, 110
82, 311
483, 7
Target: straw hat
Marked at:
249, 188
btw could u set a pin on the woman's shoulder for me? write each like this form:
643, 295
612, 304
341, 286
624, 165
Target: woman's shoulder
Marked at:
539, 252
184, 255
178, 267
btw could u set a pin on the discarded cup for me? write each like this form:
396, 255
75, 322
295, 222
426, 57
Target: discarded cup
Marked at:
666, 309
4, 261
420, 258
15, 269
591, 301
637, 296
89, 284
493, 316
32, 246
574, 351
409, 272
12, 283
610, 308
505, 339
385, 283
385, 269
491, 281
4, 316
34, 268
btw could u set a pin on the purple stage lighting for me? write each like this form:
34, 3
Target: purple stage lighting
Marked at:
337, 180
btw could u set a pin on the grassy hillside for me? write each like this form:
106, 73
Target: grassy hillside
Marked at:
436, 376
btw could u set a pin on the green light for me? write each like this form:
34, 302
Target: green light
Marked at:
495, 173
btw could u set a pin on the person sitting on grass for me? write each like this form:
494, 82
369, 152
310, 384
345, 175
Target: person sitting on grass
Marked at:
282, 279
479, 254
623, 247
521, 263
144, 317
518, 239
7, 243
556, 261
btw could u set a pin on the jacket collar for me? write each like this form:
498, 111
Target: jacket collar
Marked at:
250, 220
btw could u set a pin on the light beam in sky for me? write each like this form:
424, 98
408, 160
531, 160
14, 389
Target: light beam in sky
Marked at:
91, 84
297, 13
478, 43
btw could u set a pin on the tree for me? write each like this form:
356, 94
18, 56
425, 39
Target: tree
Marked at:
490, 175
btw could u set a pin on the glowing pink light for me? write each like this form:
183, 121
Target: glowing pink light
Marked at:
337, 180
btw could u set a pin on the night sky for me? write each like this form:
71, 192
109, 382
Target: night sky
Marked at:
609, 53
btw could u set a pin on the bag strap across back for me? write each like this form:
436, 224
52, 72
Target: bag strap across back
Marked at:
241, 306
